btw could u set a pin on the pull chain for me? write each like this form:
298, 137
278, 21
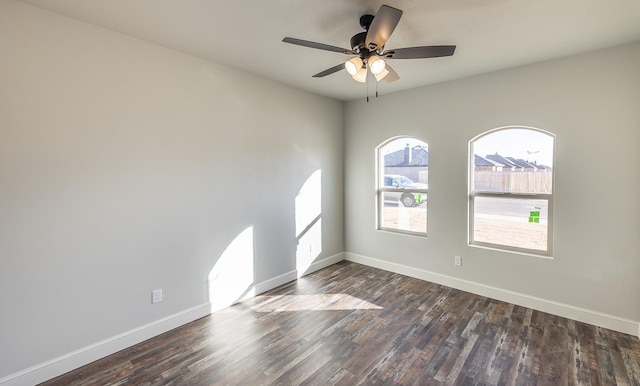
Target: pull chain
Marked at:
367, 88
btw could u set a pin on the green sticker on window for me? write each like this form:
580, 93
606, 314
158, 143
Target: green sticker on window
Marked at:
534, 216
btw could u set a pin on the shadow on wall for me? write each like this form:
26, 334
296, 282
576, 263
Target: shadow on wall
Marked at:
232, 277
308, 217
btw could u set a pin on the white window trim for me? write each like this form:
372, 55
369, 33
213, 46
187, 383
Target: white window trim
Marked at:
548, 253
380, 208
380, 189
547, 197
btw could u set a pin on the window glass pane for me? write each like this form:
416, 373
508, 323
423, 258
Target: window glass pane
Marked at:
405, 162
395, 215
513, 161
515, 222
402, 185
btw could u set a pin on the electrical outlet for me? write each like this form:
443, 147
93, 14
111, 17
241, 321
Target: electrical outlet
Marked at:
156, 296
457, 260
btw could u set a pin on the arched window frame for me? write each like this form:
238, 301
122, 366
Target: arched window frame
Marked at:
475, 195
420, 194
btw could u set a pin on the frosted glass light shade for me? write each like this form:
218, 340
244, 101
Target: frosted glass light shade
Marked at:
353, 66
381, 75
376, 64
361, 75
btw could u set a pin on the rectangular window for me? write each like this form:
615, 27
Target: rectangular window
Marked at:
394, 215
521, 222
402, 186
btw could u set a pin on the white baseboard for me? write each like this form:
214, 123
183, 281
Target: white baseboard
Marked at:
274, 282
318, 265
290, 276
611, 322
62, 364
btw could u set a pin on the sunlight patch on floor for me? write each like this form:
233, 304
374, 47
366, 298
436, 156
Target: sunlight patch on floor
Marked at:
319, 302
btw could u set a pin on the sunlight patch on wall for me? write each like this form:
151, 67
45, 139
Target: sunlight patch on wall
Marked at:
319, 302
232, 277
308, 212
309, 247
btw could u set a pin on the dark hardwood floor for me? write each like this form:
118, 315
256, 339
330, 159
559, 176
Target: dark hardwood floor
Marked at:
349, 324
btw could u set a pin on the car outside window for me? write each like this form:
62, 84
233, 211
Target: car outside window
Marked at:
402, 185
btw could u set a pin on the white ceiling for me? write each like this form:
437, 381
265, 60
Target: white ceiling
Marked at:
247, 34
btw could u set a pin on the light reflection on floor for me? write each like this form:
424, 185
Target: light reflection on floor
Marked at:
319, 302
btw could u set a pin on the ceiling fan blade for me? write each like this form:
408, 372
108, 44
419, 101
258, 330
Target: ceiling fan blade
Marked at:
318, 46
382, 27
392, 76
330, 71
419, 52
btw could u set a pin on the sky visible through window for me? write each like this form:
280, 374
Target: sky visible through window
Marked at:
529, 145
526, 144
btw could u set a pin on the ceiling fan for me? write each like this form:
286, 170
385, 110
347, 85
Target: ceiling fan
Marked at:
368, 48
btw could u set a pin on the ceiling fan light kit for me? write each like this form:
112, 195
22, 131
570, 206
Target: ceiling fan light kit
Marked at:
368, 48
376, 64
361, 75
381, 75
353, 65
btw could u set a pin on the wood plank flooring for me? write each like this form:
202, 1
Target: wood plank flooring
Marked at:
349, 324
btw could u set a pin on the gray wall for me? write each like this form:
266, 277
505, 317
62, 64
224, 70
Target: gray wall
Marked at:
591, 103
126, 167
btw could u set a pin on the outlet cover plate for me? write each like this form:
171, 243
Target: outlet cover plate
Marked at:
156, 296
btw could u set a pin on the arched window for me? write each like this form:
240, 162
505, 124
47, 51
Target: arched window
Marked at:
402, 183
511, 190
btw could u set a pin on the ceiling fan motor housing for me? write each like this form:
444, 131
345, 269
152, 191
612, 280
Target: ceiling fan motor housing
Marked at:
357, 41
